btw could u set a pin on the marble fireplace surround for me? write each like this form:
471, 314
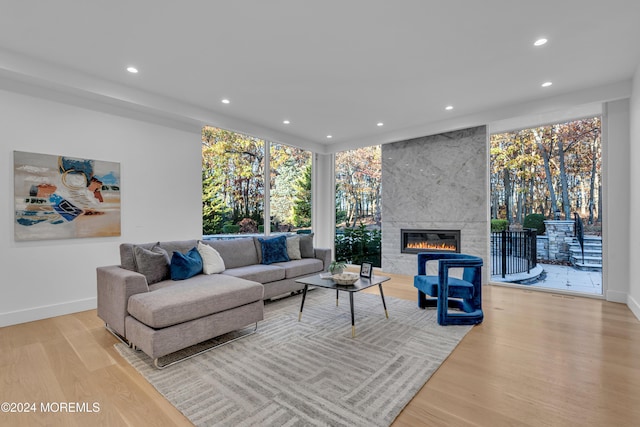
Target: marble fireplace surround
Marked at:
435, 182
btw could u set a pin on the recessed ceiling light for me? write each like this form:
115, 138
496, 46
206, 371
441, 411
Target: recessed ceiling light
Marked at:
540, 42
380, 124
449, 107
546, 84
132, 70
225, 101
329, 136
286, 122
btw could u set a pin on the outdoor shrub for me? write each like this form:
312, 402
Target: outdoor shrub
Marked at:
230, 229
535, 221
248, 225
358, 245
498, 225
341, 216
261, 228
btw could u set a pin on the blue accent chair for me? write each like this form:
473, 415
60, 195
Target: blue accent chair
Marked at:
446, 292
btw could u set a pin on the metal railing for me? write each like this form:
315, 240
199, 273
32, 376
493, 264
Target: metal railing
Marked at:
513, 252
579, 232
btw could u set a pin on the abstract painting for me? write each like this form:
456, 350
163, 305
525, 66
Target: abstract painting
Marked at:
60, 197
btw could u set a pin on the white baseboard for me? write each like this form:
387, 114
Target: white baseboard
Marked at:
45, 312
617, 296
633, 306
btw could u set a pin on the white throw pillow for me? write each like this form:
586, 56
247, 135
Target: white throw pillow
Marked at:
212, 262
293, 247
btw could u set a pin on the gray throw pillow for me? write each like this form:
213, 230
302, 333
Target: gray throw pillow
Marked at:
293, 247
306, 246
153, 264
258, 246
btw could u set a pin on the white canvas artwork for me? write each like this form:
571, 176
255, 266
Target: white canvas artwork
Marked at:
60, 197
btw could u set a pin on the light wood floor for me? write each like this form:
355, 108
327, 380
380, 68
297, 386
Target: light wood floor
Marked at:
538, 359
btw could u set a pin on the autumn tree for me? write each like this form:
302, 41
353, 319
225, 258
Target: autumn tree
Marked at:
358, 178
548, 168
233, 178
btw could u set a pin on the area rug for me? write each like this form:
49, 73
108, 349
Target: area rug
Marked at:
310, 372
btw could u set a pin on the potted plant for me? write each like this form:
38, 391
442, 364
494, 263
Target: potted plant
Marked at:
337, 267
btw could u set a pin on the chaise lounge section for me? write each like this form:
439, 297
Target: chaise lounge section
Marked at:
142, 305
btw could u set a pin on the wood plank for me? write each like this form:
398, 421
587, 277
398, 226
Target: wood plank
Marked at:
83, 342
28, 378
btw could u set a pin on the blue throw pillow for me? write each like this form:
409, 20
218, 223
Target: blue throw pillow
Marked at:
274, 250
186, 265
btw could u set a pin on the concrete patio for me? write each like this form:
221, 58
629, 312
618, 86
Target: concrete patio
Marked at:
553, 276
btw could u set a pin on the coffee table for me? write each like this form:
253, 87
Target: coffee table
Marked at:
362, 283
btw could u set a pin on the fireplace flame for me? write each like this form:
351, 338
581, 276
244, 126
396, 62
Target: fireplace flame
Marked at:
434, 246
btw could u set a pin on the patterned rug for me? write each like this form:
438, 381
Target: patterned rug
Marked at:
311, 372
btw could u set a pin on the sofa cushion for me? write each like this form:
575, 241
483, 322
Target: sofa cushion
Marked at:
127, 258
212, 262
259, 273
293, 247
235, 252
301, 267
274, 249
186, 300
306, 246
184, 266
152, 263
182, 246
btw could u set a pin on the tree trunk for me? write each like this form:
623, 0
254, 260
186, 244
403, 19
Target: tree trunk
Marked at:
564, 186
519, 206
507, 193
531, 198
547, 171
592, 186
600, 213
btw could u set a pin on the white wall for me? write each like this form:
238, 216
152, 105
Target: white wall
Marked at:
634, 196
616, 189
161, 199
324, 200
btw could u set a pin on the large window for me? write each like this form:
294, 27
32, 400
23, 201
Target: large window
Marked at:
290, 196
233, 189
358, 209
546, 206
549, 170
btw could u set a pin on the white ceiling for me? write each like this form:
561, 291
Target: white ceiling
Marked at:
333, 67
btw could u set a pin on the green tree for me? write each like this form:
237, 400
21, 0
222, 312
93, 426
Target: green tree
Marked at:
233, 186
233, 166
214, 211
302, 201
287, 165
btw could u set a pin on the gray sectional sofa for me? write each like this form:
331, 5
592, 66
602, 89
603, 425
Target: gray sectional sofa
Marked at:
140, 303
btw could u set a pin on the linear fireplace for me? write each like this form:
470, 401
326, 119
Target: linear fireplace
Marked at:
415, 241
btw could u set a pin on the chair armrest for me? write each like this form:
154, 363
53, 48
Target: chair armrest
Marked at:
324, 255
448, 257
115, 286
471, 268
